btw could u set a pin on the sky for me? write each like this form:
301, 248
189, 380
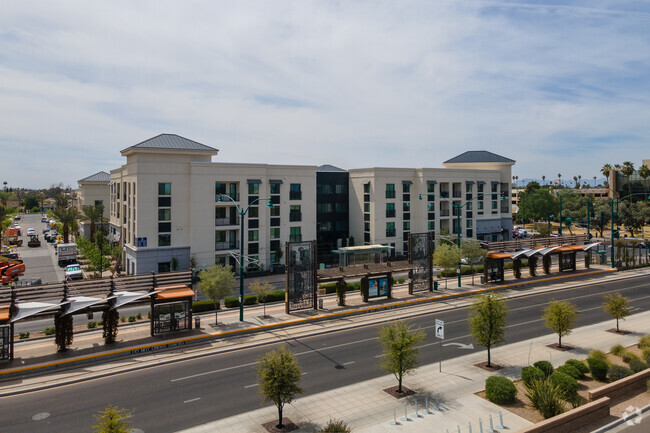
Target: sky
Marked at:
560, 87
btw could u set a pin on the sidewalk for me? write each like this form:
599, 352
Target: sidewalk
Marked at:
366, 408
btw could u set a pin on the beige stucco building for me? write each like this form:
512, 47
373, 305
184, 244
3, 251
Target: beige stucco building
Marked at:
93, 190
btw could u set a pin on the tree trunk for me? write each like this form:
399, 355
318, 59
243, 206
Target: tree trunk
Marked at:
399, 387
617, 324
279, 417
216, 311
489, 357
560, 343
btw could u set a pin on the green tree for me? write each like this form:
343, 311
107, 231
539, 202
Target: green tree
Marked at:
262, 291
537, 205
532, 187
3, 217
631, 215
278, 374
487, 321
67, 217
399, 341
616, 305
447, 256
94, 215
600, 205
606, 170
628, 170
543, 229
644, 172
560, 317
474, 254
31, 200
216, 283
112, 420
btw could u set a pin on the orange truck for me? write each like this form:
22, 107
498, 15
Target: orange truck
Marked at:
10, 269
12, 236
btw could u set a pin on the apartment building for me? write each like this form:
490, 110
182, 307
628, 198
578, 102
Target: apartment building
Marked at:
387, 204
93, 191
165, 207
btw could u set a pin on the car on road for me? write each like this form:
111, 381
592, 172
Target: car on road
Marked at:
31, 231
73, 272
44, 220
17, 217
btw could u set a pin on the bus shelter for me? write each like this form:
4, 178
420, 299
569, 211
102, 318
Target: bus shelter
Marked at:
171, 309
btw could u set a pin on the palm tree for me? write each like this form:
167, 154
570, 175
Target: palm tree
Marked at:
575, 179
644, 172
594, 181
67, 217
607, 168
94, 214
579, 177
61, 200
628, 170
559, 178
544, 180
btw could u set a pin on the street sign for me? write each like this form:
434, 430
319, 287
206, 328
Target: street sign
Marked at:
440, 329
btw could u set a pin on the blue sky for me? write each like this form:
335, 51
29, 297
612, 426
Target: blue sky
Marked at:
560, 88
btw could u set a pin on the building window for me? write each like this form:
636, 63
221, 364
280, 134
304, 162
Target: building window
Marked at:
390, 190
469, 205
253, 235
294, 192
431, 207
99, 203
253, 248
341, 207
366, 188
468, 187
494, 205
295, 234
431, 187
164, 267
253, 224
164, 214
468, 224
366, 207
275, 188
254, 212
164, 227
164, 189
275, 211
480, 187
253, 189
480, 205
275, 222
164, 201
220, 188
406, 225
495, 187
366, 237
390, 230
294, 213
366, 227
406, 187
164, 240
406, 216
390, 210
431, 225
274, 232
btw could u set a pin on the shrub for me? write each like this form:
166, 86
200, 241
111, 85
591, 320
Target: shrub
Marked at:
201, 306
637, 365
336, 426
138, 316
500, 390
250, 300
569, 371
231, 302
100, 323
617, 372
276, 296
598, 354
49, 331
628, 356
598, 368
131, 319
545, 366
645, 354
644, 341
123, 319
401, 280
528, 374
23, 335
617, 350
546, 398
91, 324
567, 384
578, 365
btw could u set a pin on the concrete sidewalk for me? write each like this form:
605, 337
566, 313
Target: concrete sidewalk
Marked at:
367, 408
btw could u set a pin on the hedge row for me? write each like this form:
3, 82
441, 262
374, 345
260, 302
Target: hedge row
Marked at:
233, 302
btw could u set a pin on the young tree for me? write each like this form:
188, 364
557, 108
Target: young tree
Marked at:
216, 283
543, 229
262, 291
112, 420
616, 305
560, 317
537, 205
398, 342
487, 321
447, 256
278, 374
67, 217
474, 253
93, 214
63, 335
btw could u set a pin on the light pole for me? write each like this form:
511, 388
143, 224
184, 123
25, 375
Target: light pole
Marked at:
611, 214
589, 203
458, 207
242, 214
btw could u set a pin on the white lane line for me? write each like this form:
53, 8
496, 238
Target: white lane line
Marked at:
213, 371
252, 386
191, 400
306, 372
348, 363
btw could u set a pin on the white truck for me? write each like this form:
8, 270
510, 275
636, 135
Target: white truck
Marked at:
67, 253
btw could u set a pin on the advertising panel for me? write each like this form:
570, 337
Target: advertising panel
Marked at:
377, 287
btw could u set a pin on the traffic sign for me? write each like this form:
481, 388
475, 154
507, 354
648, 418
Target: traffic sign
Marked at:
440, 329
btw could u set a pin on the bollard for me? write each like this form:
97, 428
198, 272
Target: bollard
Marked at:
458, 429
491, 429
470, 427
500, 421
480, 425
406, 417
416, 415
426, 400
437, 408
394, 421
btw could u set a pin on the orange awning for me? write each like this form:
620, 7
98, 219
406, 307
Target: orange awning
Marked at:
569, 248
499, 256
174, 292
4, 313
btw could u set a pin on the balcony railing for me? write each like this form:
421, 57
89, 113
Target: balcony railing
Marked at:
235, 197
226, 221
223, 246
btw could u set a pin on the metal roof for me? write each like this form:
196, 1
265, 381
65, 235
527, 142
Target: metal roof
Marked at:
171, 141
478, 156
330, 168
102, 176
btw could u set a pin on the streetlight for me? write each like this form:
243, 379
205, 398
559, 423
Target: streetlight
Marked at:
458, 207
589, 202
611, 213
242, 213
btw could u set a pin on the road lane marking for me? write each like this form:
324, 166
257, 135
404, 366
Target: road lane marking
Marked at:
349, 363
191, 400
213, 371
251, 386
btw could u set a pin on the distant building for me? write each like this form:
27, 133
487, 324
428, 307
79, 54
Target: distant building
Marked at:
93, 191
619, 186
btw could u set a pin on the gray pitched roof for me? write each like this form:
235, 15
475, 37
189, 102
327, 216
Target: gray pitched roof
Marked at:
330, 168
171, 141
102, 176
478, 156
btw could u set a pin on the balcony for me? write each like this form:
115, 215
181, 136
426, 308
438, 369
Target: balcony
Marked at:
220, 222
224, 246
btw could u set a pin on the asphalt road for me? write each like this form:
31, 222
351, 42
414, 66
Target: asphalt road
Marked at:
184, 394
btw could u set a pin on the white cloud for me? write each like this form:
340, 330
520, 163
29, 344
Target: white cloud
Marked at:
353, 84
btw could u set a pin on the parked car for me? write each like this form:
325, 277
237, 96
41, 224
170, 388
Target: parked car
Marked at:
17, 217
31, 231
73, 272
44, 220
